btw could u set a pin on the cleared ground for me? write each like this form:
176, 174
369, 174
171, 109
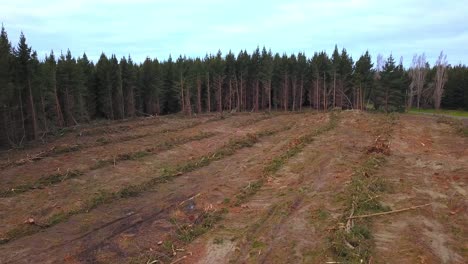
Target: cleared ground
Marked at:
242, 188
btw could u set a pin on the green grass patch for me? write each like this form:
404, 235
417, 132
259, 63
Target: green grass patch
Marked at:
456, 124
258, 244
207, 220
65, 149
439, 112
248, 191
361, 197
41, 183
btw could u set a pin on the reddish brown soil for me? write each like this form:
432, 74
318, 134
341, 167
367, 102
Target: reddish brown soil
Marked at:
288, 220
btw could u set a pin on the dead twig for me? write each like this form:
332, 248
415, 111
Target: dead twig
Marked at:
179, 259
349, 223
191, 198
389, 212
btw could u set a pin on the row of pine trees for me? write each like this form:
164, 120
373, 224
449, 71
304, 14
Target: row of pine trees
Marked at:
39, 97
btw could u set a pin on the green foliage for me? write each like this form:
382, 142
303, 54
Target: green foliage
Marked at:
41, 97
455, 113
389, 95
188, 232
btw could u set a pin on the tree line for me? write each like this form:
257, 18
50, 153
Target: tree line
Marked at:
38, 97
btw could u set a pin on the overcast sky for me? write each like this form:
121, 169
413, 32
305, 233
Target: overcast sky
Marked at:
158, 28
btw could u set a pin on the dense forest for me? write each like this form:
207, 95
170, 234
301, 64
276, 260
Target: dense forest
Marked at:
38, 97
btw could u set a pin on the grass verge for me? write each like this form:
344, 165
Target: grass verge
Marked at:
439, 112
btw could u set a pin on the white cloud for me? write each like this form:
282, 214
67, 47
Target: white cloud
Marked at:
196, 27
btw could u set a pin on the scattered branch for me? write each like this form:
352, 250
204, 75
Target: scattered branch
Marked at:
389, 212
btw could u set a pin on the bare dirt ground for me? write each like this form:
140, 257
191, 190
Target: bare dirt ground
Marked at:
243, 188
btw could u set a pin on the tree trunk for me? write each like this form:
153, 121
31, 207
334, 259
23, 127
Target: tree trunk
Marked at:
285, 92
269, 95
324, 93
241, 93
317, 94
334, 90
33, 111
188, 104
256, 94
208, 93
182, 97
58, 108
219, 84
44, 115
23, 125
230, 94
237, 96
294, 89
301, 93
199, 107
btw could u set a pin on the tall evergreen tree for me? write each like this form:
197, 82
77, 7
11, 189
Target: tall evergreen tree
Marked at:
24, 86
104, 102
54, 108
266, 74
346, 85
9, 103
129, 82
169, 94
116, 83
390, 90
87, 68
363, 80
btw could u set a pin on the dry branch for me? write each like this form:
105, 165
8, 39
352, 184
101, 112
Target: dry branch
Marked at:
191, 198
179, 259
389, 212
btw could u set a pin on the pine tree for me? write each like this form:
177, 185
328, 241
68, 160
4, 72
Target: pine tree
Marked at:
170, 100
71, 85
390, 90
218, 68
254, 78
336, 70
90, 94
346, 89
266, 74
231, 79
363, 80
23, 84
116, 84
301, 72
243, 60
9, 103
104, 100
128, 85
51, 92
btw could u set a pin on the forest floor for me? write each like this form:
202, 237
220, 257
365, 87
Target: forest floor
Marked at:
340, 187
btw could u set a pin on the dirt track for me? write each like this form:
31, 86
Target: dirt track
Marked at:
197, 215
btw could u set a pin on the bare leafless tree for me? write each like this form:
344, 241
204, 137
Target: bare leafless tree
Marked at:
440, 79
379, 66
417, 73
